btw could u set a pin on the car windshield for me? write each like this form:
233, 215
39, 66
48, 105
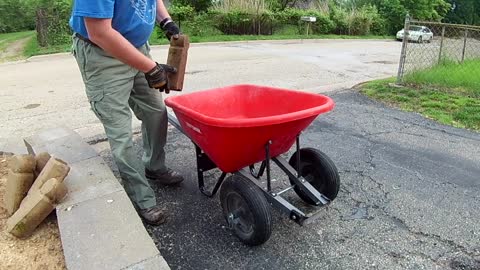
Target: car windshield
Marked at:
415, 28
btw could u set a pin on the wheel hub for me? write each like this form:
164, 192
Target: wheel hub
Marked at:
239, 217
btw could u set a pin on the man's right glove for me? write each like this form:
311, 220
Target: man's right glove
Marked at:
170, 28
157, 77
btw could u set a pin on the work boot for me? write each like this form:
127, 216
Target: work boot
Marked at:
153, 215
170, 177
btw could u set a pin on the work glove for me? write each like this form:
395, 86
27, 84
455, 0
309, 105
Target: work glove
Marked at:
170, 28
157, 77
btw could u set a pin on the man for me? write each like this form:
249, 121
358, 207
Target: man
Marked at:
112, 52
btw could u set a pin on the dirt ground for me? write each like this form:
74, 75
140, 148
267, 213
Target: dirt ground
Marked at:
14, 50
43, 250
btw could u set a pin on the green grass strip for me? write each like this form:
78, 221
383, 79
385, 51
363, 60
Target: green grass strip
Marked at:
445, 105
459, 77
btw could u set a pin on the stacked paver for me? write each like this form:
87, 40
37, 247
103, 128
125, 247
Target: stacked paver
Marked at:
34, 188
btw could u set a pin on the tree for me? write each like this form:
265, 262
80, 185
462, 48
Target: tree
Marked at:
427, 9
464, 12
394, 13
16, 15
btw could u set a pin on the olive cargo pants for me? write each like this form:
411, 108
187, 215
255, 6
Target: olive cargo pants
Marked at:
113, 88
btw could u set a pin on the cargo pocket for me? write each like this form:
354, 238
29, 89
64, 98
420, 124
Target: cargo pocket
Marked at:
98, 105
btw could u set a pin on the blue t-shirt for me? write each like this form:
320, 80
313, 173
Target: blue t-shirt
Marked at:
134, 19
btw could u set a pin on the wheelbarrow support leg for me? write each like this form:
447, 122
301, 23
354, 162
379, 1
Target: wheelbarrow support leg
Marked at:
205, 164
260, 171
298, 155
267, 162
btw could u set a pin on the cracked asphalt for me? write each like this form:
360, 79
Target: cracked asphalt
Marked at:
409, 199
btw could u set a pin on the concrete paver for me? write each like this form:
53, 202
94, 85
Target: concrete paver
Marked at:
70, 149
89, 179
107, 236
13, 145
155, 263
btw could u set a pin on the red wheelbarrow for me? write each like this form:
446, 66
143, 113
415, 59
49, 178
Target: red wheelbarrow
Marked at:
233, 128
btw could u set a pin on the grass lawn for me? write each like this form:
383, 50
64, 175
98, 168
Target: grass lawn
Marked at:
11, 45
32, 48
456, 105
463, 77
8, 38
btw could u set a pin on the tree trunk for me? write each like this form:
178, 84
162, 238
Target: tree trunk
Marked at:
42, 27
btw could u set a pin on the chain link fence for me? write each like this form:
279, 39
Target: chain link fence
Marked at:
431, 45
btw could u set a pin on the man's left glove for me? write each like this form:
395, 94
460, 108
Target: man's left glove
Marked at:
157, 77
170, 28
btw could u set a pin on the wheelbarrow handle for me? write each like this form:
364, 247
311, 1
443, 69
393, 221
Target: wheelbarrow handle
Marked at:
174, 122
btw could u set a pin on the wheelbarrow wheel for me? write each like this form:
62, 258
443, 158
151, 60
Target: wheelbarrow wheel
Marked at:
246, 210
319, 170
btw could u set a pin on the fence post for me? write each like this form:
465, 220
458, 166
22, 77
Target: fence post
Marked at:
441, 45
403, 54
464, 45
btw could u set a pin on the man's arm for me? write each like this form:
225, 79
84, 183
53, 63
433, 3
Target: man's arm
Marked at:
100, 32
166, 23
162, 12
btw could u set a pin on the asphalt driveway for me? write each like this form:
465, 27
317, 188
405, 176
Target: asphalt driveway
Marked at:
409, 199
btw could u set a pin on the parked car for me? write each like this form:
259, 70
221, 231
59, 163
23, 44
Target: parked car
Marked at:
417, 33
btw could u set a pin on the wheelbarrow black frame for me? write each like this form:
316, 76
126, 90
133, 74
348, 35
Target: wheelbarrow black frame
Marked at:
204, 164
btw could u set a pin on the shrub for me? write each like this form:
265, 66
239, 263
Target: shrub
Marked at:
237, 22
16, 16
339, 17
244, 17
292, 16
181, 13
366, 21
198, 5
200, 25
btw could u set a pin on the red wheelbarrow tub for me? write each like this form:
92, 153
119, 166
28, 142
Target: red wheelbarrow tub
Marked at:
233, 124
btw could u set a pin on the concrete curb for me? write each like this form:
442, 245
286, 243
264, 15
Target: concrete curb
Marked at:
98, 224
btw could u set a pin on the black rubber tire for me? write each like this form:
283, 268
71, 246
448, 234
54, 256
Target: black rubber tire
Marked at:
255, 219
319, 170
420, 40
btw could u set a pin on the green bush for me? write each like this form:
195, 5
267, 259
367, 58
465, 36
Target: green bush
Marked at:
198, 5
16, 16
366, 21
393, 14
339, 17
323, 25
182, 13
237, 22
200, 26
291, 16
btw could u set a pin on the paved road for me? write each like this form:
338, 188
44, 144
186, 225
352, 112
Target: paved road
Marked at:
47, 91
409, 200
